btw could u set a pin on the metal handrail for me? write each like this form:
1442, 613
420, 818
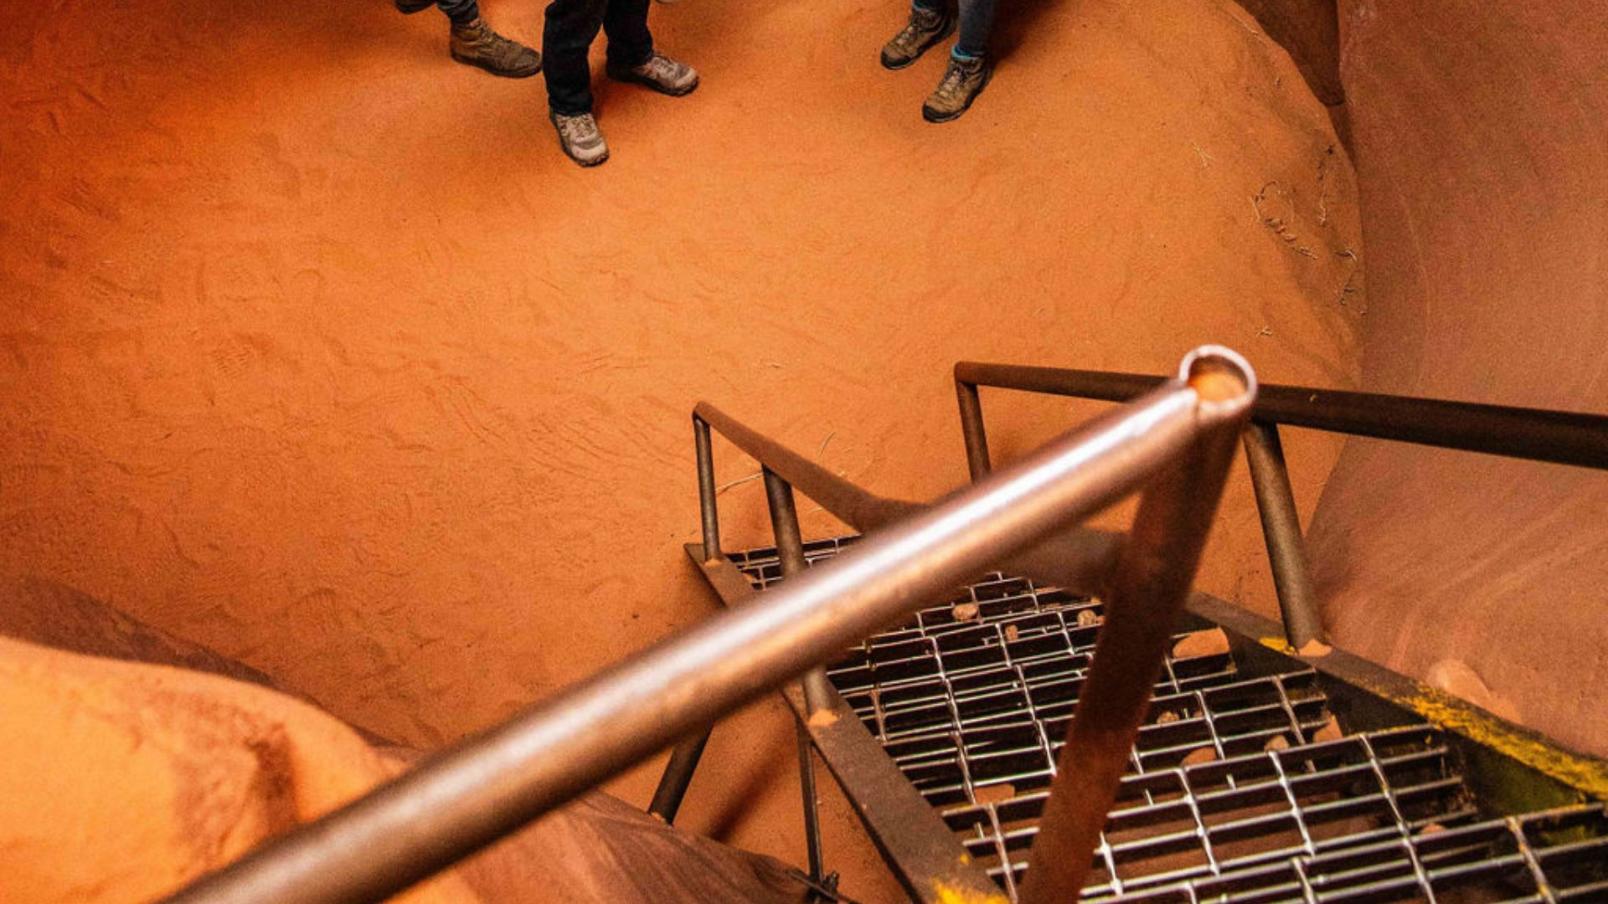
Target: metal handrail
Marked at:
1536, 434
1078, 560
1558, 437
1175, 441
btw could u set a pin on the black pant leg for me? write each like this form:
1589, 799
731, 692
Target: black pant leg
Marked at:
567, 36
626, 24
461, 12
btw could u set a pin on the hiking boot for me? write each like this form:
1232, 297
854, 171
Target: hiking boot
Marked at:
477, 45
660, 73
409, 7
962, 82
926, 28
580, 138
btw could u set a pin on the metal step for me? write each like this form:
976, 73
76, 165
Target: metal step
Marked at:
1240, 787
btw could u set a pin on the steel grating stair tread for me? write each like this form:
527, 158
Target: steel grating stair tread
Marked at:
1239, 787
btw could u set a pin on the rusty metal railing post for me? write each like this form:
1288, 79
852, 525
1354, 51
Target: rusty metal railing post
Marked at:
971, 429
707, 506
806, 787
790, 553
1281, 528
677, 776
1151, 584
684, 759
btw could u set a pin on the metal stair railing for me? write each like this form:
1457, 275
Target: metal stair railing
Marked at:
1174, 443
1083, 561
1533, 434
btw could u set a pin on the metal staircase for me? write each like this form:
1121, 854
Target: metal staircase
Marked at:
1241, 786
1020, 739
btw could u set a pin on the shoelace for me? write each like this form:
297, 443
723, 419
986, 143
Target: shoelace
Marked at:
912, 32
952, 78
915, 28
661, 67
578, 130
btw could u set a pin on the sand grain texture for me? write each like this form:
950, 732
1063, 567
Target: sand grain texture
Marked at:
316, 351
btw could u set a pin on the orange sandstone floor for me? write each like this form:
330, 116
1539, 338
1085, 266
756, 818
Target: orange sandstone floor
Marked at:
315, 350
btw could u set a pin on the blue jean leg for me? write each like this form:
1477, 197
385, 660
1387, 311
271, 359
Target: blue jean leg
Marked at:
976, 21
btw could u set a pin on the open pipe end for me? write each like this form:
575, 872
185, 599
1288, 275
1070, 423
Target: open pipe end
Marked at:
1222, 379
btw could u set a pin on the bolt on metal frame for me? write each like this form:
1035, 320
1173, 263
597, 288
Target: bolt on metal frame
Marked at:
1174, 442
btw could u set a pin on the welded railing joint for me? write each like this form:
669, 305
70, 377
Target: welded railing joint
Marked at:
972, 430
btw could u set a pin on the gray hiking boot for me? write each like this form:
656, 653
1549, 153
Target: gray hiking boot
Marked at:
580, 138
962, 82
477, 45
660, 73
926, 28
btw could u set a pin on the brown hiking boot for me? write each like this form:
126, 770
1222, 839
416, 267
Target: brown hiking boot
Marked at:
926, 28
477, 45
962, 82
660, 73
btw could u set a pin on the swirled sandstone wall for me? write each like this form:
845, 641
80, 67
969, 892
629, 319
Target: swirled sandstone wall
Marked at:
1481, 140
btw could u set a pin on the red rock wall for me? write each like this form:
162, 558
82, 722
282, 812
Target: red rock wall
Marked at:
1310, 31
1481, 145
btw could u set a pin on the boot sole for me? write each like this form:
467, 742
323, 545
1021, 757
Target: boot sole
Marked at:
487, 67
410, 10
896, 65
928, 115
634, 79
584, 164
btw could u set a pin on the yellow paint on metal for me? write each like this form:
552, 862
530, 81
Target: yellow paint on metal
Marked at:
948, 894
1586, 774
1277, 645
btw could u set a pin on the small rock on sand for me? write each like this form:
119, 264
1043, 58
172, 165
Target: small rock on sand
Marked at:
1457, 678
993, 794
1329, 731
